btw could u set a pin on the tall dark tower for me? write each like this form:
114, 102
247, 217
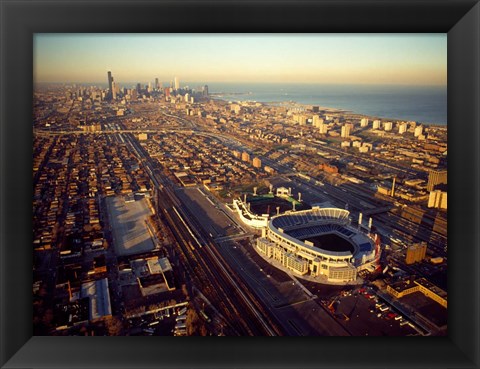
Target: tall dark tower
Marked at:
110, 81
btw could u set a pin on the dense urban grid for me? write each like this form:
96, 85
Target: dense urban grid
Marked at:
169, 210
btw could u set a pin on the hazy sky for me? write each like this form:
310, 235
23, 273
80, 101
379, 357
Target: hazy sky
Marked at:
412, 59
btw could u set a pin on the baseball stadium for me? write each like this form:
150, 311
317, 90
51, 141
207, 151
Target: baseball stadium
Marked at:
319, 244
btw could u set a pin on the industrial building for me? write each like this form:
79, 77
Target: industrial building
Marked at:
416, 252
98, 294
436, 177
403, 288
437, 199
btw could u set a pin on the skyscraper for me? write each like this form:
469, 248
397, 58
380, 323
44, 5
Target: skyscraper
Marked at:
110, 81
113, 90
418, 131
177, 83
316, 121
157, 86
323, 128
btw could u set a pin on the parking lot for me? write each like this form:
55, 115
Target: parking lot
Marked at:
158, 324
129, 227
210, 216
363, 313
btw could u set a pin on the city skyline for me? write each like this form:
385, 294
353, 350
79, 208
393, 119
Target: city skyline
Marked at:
163, 206
413, 59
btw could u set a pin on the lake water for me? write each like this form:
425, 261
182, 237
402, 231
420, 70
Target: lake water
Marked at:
424, 104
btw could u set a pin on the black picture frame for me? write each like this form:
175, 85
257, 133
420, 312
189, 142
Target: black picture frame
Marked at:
21, 19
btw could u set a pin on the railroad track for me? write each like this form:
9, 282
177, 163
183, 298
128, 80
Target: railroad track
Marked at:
210, 282
241, 310
223, 271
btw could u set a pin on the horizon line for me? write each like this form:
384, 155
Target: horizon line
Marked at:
252, 82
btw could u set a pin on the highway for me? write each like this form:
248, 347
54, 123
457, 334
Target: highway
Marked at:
410, 229
358, 202
375, 162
